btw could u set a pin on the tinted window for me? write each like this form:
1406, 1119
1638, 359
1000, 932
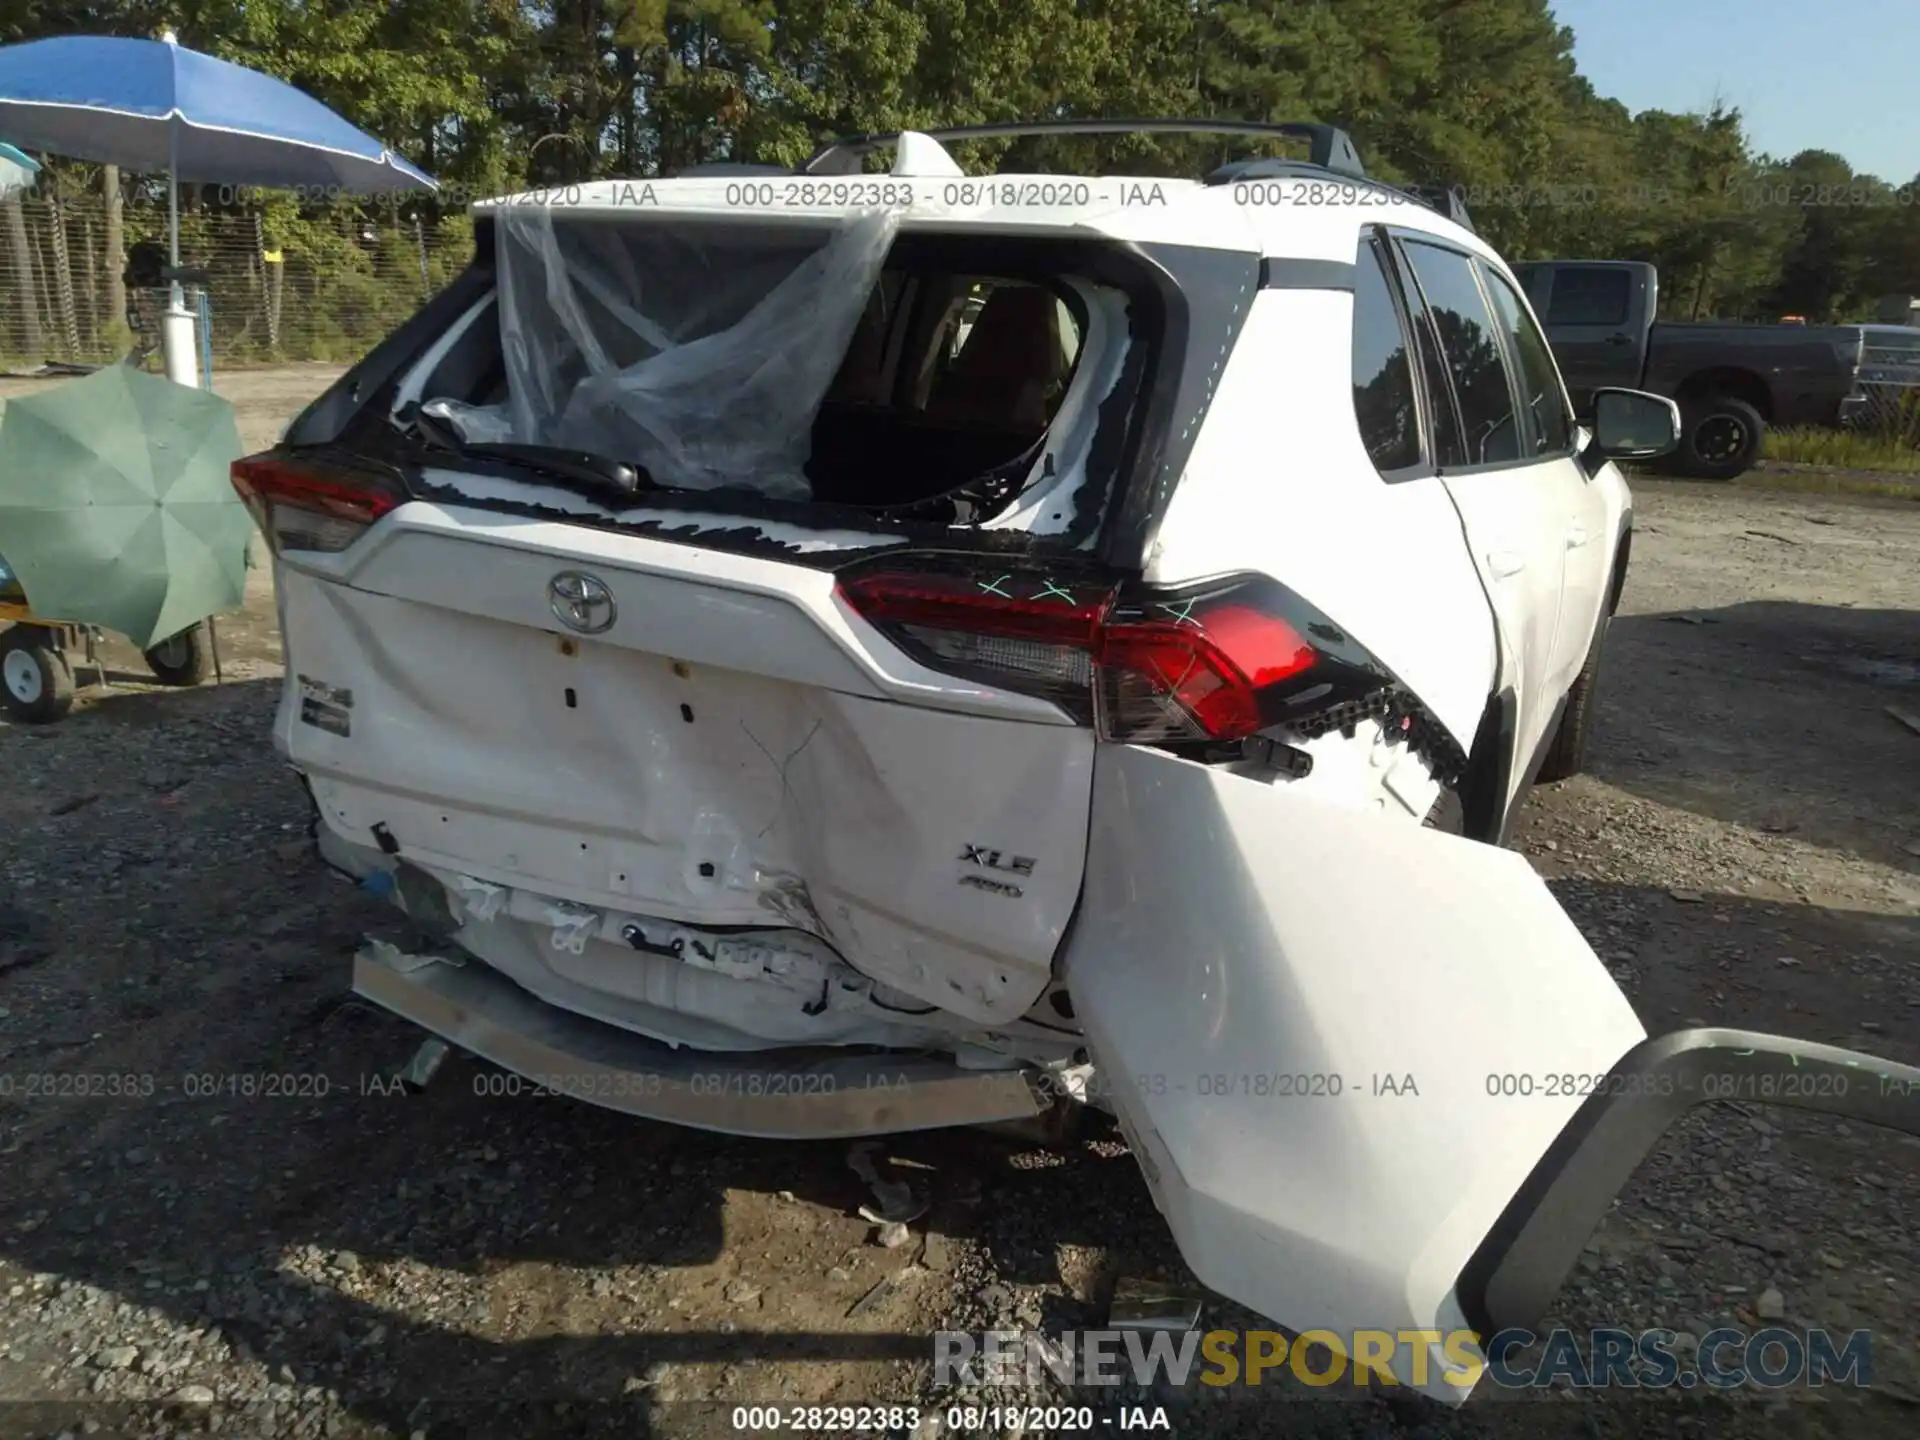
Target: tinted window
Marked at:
1473, 356
1382, 370
1589, 297
1543, 403
1443, 421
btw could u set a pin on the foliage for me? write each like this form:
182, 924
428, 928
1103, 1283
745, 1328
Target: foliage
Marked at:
491, 95
1842, 450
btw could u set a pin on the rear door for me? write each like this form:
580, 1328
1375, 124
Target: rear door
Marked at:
1587, 519
1337, 1044
1513, 514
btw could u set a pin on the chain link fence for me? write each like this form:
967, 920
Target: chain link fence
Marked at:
327, 286
1890, 375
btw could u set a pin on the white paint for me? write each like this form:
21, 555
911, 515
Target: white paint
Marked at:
807, 794
1280, 483
1233, 931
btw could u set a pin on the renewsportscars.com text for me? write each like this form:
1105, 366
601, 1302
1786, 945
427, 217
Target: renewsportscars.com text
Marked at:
1773, 1358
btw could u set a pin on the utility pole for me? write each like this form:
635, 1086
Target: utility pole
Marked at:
116, 260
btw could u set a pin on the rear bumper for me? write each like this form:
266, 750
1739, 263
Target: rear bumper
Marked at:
782, 1094
1855, 409
1513, 1277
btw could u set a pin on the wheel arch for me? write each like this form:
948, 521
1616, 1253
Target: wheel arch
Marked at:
1490, 762
1622, 554
1728, 381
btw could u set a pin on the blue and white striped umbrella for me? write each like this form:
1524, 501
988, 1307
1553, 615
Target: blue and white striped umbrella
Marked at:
154, 105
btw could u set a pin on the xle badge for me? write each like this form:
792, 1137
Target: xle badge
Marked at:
987, 858
990, 859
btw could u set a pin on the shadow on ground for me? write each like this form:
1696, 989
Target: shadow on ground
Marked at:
1770, 715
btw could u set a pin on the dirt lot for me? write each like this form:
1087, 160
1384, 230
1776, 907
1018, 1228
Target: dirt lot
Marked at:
176, 1253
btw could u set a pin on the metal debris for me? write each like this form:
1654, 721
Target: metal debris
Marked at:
881, 1291
425, 1063
1148, 1305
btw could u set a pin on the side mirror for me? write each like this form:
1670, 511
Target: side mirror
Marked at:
1633, 425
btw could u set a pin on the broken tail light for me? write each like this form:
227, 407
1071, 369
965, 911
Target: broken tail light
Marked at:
310, 505
1190, 665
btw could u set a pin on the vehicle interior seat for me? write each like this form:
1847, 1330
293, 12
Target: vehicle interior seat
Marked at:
1005, 375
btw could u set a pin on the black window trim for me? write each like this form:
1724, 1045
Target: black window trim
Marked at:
1403, 235
1426, 339
1515, 369
1375, 237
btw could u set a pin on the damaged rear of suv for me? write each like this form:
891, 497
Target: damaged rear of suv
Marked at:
737, 622
702, 608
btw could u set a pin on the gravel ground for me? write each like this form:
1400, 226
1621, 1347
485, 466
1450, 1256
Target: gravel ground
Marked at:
327, 1256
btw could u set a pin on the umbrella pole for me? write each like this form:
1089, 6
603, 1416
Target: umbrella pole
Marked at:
178, 346
175, 300
213, 644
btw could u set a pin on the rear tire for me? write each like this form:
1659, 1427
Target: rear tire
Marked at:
182, 659
36, 682
1720, 437
1568, 755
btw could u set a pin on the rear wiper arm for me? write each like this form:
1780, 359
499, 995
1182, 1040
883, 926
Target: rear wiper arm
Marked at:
592, 475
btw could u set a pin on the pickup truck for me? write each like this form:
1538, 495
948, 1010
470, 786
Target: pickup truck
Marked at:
1730, 380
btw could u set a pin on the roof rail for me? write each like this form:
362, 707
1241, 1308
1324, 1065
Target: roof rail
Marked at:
1449, 200
1328, 148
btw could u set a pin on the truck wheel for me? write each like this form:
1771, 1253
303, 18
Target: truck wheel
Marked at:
1567, 756
36, 682
182, 659
1720, 437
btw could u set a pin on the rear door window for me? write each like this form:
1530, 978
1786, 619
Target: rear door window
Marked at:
1469, 343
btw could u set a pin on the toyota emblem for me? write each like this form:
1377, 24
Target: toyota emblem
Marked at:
581, 602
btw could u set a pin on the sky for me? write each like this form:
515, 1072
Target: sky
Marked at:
1839, 75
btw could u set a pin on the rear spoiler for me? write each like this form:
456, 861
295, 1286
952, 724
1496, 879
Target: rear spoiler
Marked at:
1328, 148
1513, 1277
1330, 153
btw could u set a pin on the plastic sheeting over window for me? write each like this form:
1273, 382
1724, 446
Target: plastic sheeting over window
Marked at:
700, 350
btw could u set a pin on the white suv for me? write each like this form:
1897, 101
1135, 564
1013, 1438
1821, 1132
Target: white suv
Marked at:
819, 653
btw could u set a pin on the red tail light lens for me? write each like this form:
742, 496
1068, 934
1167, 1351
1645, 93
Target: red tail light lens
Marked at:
1196, 679
306, 505
1219, 662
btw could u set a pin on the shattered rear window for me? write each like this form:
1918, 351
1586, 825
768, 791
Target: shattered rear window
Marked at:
700, 352
789, 360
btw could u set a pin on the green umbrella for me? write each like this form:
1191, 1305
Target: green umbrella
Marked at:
115, 506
